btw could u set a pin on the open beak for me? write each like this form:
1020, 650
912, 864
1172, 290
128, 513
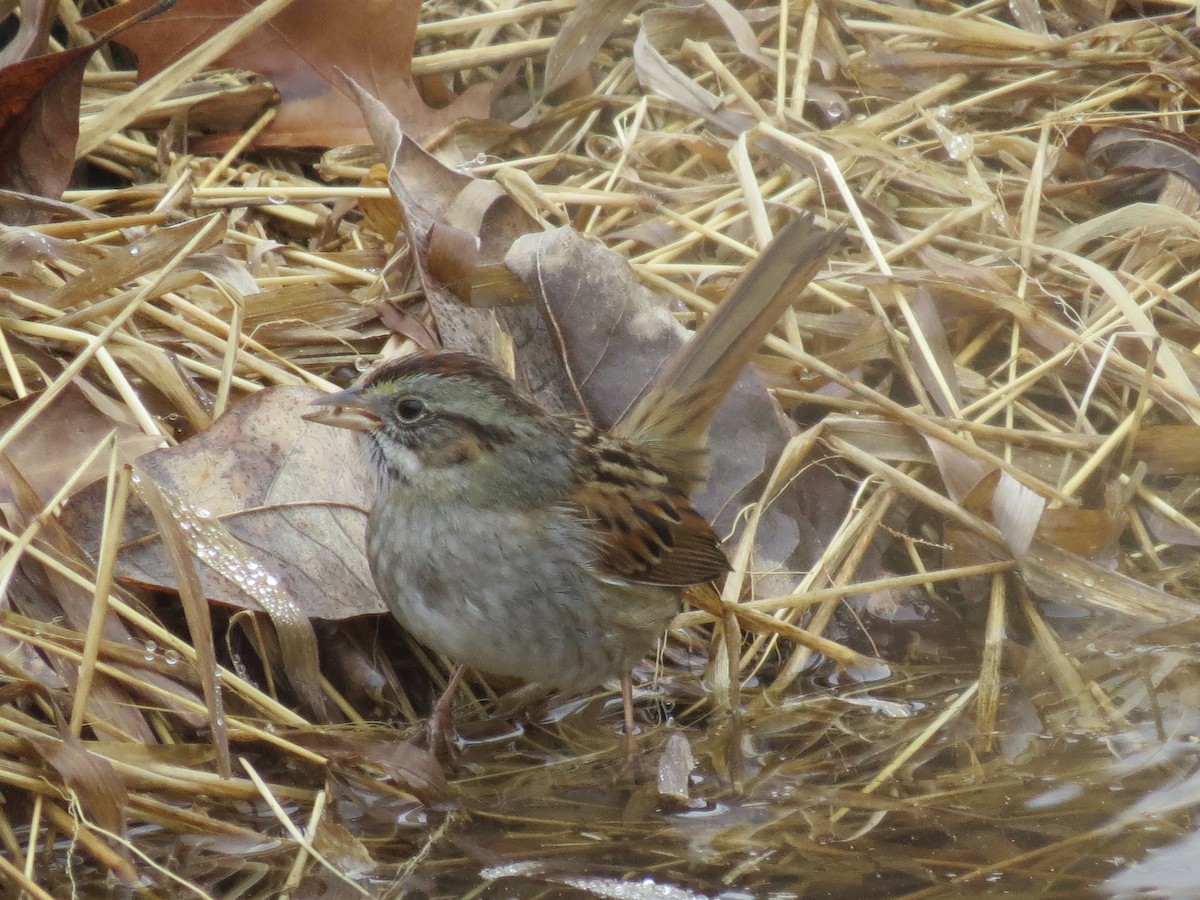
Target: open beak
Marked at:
345, 409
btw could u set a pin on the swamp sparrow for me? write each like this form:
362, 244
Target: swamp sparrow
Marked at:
526, 543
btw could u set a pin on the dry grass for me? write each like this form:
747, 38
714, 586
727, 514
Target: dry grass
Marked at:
998, 378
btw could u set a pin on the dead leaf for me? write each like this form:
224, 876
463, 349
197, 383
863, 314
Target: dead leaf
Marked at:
100, 790
404, 765
583, 32
929, 318
1061, 577
659, 76
431, 197
53, 445
1168, 449
39, 120
675, 768
1125, 150
308, 51
36, 18
123, 265
39, 125
615, 337
293, 494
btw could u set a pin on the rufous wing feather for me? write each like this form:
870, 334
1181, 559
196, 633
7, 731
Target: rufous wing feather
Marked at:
646, 531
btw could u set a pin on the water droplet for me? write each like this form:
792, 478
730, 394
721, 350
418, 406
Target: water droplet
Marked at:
361, 363
171, 658
151, 649
202, 513
135, 251
960, 147
276, 199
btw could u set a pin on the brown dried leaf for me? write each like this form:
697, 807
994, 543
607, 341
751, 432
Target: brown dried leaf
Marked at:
292, 493
49, 450
100, 790
123, 265
1168, 449
31, 39
433, 197
583, 32
408, 767
659, 76
39, 125
929, 318
1063, 577
615, 336
308, 51
1124, 150
39, 120
430, 193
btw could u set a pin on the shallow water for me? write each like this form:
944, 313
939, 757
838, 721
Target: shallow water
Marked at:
844, 787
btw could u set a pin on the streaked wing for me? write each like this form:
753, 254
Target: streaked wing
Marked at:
646, 530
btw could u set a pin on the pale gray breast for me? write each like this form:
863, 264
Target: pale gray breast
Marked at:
510, 592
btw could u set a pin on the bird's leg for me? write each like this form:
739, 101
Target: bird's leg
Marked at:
630, 728
441, 720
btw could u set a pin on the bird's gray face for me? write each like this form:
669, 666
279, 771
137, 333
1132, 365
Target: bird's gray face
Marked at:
443, 417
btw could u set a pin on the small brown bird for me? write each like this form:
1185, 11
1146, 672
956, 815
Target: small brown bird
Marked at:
526, 543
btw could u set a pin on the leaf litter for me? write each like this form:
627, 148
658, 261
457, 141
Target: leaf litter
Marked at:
958, 649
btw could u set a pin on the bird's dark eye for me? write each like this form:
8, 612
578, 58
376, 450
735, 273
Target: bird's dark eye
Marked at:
410, 409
